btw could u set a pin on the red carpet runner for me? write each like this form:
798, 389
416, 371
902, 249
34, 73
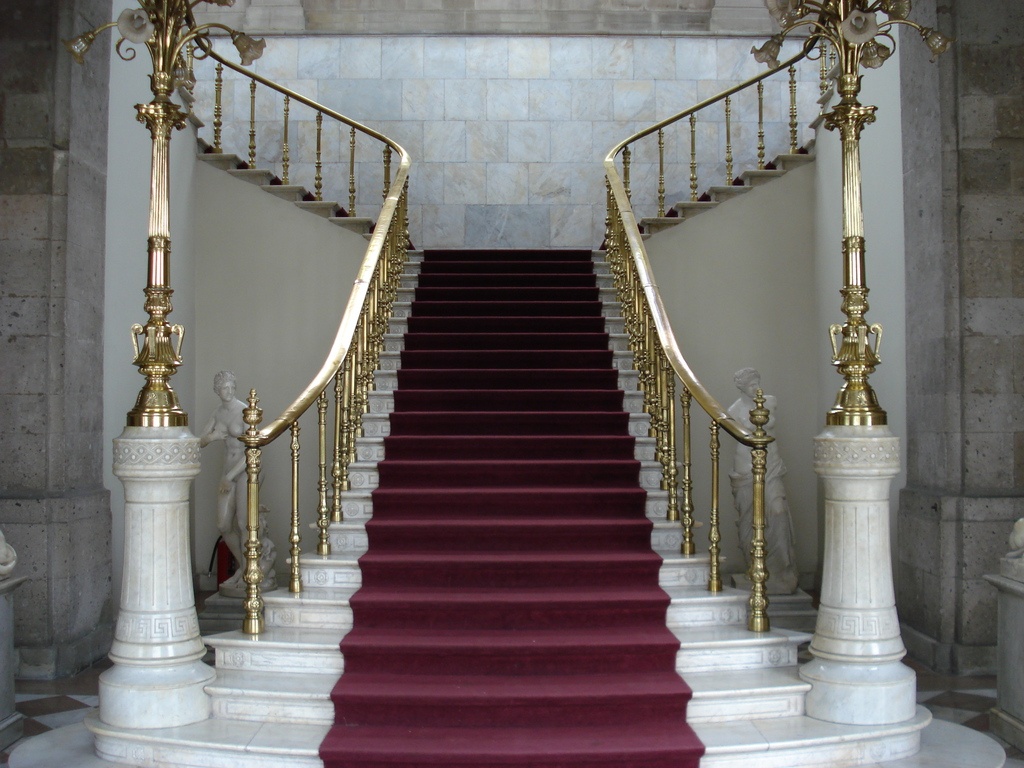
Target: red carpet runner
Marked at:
510, 613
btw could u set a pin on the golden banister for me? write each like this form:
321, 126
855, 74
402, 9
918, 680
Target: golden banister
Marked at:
349, 364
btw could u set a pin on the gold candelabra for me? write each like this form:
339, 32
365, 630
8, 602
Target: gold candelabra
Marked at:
857, 31
168, 30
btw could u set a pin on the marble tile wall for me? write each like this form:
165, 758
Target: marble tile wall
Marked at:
507, 133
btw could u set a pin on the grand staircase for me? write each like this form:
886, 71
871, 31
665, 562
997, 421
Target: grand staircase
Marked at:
420, 497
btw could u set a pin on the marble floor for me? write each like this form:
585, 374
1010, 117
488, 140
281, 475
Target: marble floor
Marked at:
48, 704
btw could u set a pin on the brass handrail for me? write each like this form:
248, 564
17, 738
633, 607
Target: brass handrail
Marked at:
809, 45
356, 345
654, 344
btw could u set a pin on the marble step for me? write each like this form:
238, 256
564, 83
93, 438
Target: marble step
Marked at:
391, 361
293, 193
786, 742
718, 648
284, 650
379, 424
358, 506
787, 161
372, 448
727, 192
804, 742
395, 342
380, 401
314, 607
364, 476
399, 323
693, 606
744, 695
212, 742
329, 571
386, 379
271, 697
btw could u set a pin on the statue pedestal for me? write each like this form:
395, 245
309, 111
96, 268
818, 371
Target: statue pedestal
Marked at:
158, 679
856, 673
10, 721
1007, 717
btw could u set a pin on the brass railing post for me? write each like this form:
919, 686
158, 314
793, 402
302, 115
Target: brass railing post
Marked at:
661, 171
728, 140
352, 172
253, 603
794, 141
294, 535
687, 547
760, 125
714, 534
693, 157
218, 108
252, 123
318, 176
757, 619
322, 510
285, 153
626, 156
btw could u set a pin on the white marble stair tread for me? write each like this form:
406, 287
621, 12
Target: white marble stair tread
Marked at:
323, 608
280, 649
214, 742
803, 742
693, 606
273, 697
942, 745
748, 694
711, 648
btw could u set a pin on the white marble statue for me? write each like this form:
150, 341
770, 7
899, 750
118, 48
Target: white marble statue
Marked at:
780, 558
8, 558
1016, 541
227, 424
268, 553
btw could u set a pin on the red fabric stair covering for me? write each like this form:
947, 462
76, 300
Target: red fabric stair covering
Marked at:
510, 613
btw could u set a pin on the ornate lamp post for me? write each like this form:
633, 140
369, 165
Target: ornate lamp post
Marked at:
856, 674
158, 679
166, 28
857, 31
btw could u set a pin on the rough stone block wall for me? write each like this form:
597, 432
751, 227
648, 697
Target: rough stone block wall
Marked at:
964, 181
53, 508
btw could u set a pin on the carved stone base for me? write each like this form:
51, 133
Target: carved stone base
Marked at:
856, 673
157, 680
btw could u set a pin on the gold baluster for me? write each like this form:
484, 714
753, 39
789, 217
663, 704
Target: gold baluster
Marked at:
714, 535
693, 157
687, 547
760, 125
793, 145
352, 172
339, 465
347, 453
405, 220
252, 123
253, 603
823, 66
322, 510
387, 170
218, 107
728, 140
284, 143
661, 171
671, 470
294, 537
626, 155
757, 620
318, 178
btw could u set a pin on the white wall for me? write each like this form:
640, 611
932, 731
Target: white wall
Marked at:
271, 284
127, 221
738, 281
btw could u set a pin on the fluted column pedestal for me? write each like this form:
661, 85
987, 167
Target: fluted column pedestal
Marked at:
856, 674
158, 679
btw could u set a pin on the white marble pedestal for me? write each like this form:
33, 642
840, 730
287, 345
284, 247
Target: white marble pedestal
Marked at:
1007, 717
856, 675
158, 679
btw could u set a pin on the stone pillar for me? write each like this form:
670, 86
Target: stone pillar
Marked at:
158, 679
856, 674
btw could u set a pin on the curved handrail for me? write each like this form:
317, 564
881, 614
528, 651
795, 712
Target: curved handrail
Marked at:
617, 188
346, 328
